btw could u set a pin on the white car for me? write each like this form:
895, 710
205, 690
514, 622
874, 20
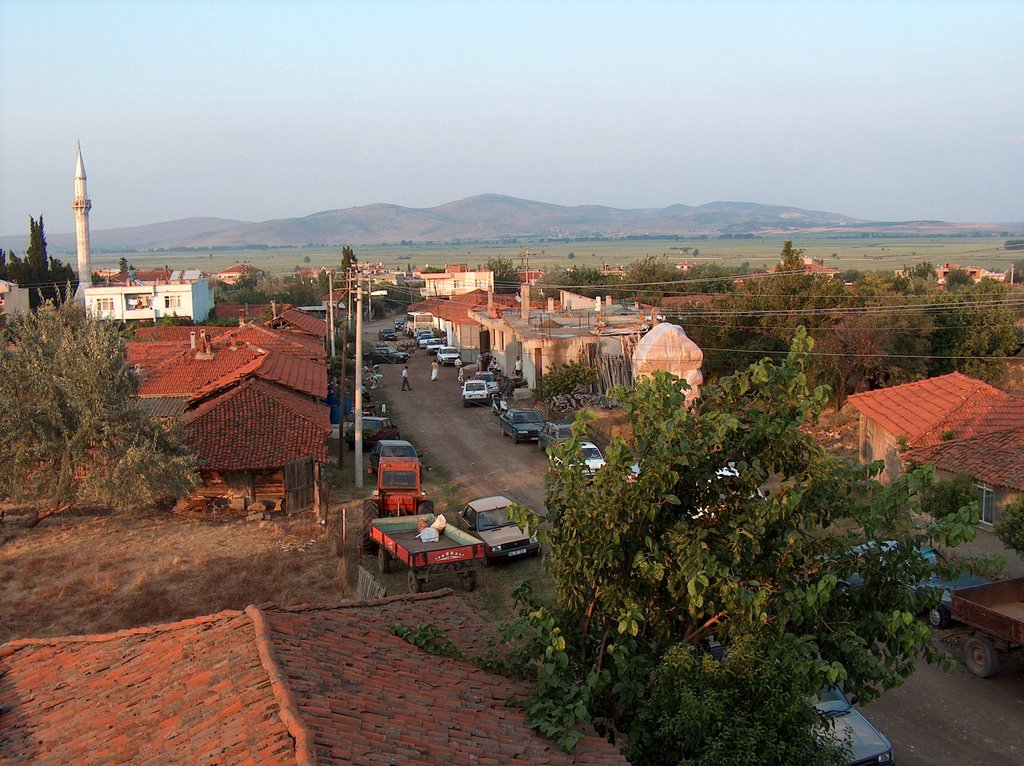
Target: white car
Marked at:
592, 458
435, 345
448, 355
474, 392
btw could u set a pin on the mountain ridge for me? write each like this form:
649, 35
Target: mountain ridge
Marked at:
484, 216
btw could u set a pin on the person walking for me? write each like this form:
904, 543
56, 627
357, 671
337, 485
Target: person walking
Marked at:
462, 375
406, 386
519, 365
433, 370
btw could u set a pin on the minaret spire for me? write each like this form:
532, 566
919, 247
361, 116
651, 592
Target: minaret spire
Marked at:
81, 204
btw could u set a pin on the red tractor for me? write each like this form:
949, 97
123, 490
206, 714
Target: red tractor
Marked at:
398, 493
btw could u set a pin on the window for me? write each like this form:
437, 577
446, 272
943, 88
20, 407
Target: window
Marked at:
172, 301
105, 305
987, 501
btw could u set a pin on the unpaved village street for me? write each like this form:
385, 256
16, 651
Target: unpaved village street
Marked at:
935, 719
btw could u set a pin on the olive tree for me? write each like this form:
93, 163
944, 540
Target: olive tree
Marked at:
674, 548
68, 431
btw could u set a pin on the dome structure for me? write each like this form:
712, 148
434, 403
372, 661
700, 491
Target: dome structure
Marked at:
667, 347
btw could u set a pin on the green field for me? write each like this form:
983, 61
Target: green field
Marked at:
872, 254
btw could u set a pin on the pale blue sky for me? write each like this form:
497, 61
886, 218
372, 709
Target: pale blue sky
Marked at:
259, 110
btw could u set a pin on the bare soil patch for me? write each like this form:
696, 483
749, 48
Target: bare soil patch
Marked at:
101, 571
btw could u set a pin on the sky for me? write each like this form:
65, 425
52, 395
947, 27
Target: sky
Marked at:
254, 110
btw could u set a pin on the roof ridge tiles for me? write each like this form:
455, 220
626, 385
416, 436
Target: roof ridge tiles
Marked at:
305, 740
441, 592
9, 647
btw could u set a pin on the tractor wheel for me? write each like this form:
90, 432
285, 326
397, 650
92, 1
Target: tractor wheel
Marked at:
383, 560
469, 580
371, 511
980, 656
425, 507
415, 586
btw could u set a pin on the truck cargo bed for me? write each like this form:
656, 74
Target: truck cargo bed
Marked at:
996, 609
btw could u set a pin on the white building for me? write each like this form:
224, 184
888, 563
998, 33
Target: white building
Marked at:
13, 299
457, 279
185, 294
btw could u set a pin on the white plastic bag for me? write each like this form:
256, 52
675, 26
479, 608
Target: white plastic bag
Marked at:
429, 535
440, 523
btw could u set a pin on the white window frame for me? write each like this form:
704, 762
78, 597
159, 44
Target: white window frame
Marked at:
986, 502
172, 301
104, 305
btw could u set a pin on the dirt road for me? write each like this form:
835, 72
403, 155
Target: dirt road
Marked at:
935, 719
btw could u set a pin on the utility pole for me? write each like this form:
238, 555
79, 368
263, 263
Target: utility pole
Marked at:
330, 308
358, 394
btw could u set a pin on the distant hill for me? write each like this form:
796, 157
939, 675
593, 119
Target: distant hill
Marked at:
487, 216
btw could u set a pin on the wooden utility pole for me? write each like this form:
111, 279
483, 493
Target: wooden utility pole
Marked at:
358, 393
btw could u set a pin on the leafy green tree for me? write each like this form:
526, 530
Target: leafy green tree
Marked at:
348, 259
649, 278
506, 275
68, 431
974, 330
1016, 277
1010, 527
649, 563
583, 280
45, 277
923, 270
566, 378
958, 278
122, 265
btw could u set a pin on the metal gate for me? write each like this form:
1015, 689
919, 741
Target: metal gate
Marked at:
299, 481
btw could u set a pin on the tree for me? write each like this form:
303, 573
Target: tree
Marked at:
122, 265
584, 280
506, 275
958, 278
68, 431
647, 279
1010, 527
974, 331
648, 566
45, 277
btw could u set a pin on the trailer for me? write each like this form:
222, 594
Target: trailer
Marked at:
456, 552
995, 614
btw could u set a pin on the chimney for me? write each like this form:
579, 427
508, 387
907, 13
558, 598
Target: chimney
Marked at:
551, 305
205, 350
490, 304
192, 339
597, 304
525, 292
273, 308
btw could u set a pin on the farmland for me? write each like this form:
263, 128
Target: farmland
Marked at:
843, 253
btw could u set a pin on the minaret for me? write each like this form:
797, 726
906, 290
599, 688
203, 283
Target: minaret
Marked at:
81, 204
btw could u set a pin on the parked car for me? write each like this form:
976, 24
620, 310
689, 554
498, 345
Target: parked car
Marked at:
386, 355
390, 448
521, 425
554, 432
374, 429
399, 323
592, 459
448, 355
474, 392
867, 744
423, 340
435, 344
488, 519
387, 334
941, 616
490, 379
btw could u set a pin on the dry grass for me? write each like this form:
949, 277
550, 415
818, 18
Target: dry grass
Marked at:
97, 573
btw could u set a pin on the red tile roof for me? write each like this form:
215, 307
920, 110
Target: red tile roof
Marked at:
149, 354
193, 692
930, 410
248, 311
302, 375
257, 426
995, 458
270, 339
183, 375
301, 320
271, 685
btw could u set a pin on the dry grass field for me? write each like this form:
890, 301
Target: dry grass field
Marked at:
868, 254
